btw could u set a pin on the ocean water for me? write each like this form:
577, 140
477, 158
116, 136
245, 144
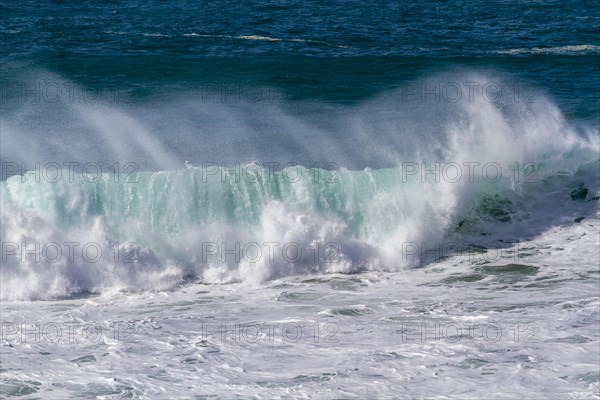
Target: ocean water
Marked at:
300, 199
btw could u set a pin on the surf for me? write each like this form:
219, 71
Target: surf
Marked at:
355, 192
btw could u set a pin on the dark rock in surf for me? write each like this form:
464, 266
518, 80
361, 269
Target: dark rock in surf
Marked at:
580, 193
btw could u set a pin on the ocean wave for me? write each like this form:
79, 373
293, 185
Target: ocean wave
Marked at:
566, 50
200, 223
155, 35
482, 167
265, 38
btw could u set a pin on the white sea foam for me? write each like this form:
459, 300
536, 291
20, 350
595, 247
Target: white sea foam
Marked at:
420, 332
574, 49
265, 38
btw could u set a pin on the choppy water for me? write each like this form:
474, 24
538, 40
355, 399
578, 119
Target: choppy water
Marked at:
297, 199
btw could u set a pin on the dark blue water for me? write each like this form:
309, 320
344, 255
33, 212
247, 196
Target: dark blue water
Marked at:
341, 51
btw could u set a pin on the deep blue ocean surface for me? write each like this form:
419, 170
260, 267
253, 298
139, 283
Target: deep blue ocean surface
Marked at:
338, 51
